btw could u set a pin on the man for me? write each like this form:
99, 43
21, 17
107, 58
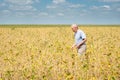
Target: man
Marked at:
80, 39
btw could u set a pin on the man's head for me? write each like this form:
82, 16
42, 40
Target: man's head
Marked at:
74, 27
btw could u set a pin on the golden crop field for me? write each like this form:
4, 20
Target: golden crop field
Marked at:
44, 53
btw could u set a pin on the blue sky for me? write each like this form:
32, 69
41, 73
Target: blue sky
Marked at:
59, 11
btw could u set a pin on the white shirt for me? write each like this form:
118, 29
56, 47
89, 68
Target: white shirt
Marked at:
79, 36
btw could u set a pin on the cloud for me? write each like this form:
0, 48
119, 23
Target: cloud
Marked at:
22, 14
51, 6
52, 16
109, 0
2, 4
43, 14
76, 5
5, 12
104, 7
94, 8
60, 14
118, 9
20, 2
58, 1
82, 14
24, 7
37, 1
19, 14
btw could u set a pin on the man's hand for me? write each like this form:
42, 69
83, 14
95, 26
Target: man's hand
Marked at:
73, 46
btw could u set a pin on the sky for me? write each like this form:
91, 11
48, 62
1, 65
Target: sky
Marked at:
59, 11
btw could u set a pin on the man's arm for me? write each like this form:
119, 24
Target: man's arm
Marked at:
81, 43
74, 45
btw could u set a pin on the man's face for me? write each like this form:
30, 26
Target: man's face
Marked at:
74, 29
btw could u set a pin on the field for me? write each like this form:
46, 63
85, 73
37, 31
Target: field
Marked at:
44, 53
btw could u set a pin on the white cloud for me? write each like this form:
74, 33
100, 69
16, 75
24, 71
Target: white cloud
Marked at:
19, 14
37, 0
84, 10
58, 1
82, 14
23, 14
51, 6
94, 7
104, 7
109, 0
2, 4
43, 14
24, 7
76, 5
52, 16
5, 12
118, 9
60, 14
20, 2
